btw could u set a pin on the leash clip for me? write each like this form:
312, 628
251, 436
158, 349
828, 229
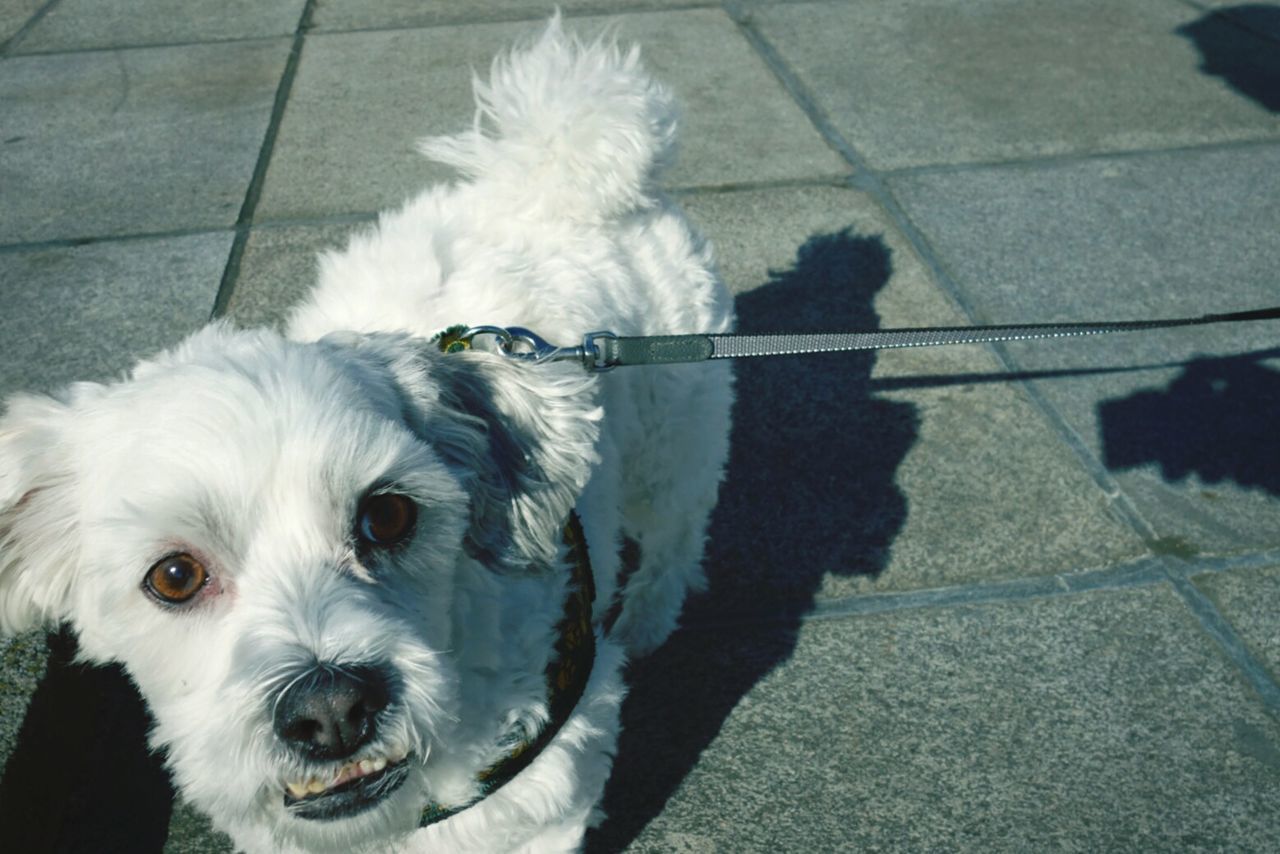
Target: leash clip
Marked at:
525, 345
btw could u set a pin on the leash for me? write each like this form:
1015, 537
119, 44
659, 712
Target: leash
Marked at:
604, 351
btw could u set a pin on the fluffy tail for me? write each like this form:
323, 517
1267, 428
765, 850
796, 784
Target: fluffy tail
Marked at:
568, 128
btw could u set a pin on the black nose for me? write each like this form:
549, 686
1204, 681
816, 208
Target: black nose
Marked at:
329, 712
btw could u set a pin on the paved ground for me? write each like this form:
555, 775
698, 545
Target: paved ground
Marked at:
1023, 597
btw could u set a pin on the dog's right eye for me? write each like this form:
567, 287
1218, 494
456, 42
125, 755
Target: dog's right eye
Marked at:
386, 519
176, 578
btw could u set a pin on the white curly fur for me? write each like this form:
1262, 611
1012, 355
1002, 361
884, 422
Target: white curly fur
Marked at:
250, 450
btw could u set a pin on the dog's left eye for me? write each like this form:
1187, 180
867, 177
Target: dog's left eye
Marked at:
176, 578
386, 519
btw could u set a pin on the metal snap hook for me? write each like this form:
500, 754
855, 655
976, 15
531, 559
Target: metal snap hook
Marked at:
525, 345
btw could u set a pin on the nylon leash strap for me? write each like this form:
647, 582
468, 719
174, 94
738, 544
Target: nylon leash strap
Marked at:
604, 351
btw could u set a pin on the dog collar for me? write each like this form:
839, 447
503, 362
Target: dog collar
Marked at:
567, 676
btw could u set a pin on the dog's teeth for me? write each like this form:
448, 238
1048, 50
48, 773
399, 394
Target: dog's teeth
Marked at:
348, 772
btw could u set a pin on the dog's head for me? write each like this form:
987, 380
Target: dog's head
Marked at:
269, 536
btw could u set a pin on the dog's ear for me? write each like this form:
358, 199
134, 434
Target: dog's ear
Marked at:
523, 437
39, 545
527, 433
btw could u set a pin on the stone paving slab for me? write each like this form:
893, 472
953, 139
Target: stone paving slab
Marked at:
1175, 234
1096, 722
14, 14
361, 101
83, 24
1250, 599
147, 140
857, 472
88, 312
934, 81
22, 666
278, 268
190, 832
385, 14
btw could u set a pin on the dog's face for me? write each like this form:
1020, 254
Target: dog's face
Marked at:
268, 536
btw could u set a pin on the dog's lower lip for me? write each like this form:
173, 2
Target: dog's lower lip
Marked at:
350, 798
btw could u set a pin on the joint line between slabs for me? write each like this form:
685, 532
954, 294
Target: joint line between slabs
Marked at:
1140, 572
1220, 630
793, 86
1144, 571
1147, 570
35, 18
244, 222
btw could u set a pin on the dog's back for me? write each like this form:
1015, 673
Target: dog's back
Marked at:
557, 224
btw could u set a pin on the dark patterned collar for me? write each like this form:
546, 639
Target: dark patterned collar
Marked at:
567, 676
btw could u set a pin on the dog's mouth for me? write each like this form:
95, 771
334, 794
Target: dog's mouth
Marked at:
357, 786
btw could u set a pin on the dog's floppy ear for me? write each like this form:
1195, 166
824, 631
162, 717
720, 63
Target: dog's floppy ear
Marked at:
522, 436
39, 546
528, 435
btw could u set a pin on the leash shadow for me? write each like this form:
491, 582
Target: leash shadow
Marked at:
809, 490
1217, 420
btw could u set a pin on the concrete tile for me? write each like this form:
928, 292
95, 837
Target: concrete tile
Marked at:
385, 14
738, 124
123, 142
361, 100
81, 24
278, 268
22, 663
1250, 599
1098, 722
1186, 419
191, 833
933, 81
359, 103
88, 312
859, 472
14, 14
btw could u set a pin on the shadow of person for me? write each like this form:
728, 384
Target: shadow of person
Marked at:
1248, 64
1219, 420
809, 490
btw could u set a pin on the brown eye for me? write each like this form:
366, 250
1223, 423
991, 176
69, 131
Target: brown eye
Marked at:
176, 578
386, 519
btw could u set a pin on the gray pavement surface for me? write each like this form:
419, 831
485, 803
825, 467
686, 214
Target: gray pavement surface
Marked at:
998, 598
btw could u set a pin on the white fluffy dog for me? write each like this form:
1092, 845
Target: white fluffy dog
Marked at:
342, 566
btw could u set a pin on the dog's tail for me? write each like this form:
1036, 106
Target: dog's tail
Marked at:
571, 129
